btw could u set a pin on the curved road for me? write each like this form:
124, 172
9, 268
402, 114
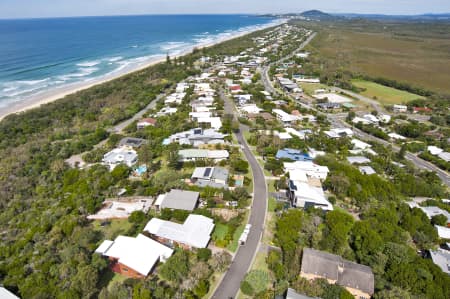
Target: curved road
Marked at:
230, 284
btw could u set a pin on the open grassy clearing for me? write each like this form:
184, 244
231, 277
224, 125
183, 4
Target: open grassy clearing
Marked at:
384, 94
309, 88
418, 54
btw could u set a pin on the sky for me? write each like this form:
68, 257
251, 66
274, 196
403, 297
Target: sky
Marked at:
65, 8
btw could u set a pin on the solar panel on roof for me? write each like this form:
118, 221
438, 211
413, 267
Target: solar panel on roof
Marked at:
207, 171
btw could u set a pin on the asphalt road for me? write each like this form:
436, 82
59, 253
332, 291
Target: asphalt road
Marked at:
230, 284
119, 127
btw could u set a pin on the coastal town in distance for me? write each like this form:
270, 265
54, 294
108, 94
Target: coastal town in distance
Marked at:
305, 158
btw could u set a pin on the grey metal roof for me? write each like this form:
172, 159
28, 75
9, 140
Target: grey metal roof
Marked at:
320, 263
180, 200
292, 294
331, 266
131, 141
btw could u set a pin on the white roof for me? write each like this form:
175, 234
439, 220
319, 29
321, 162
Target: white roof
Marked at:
203, 114
444, 156
358, 144
294, 132
218, 154
215, 122
120, 155
338, 132
140, 253
443, 232
104, 246
5, 294
433, 211
434, 150
396, 136
333, 97
298, 175
195, 231
442, 259
310, 168
358, 160
312, 195
371, 118
251, 108
283, 135
160, 199
358, 119
367, 170
284, 115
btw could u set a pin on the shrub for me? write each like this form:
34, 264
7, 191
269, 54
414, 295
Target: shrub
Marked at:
246, 288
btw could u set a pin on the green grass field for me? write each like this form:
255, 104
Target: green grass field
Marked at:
220, 231
237, 234
384, 94
414, 53
309, 88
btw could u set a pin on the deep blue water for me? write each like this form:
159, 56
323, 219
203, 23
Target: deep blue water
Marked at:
40, 54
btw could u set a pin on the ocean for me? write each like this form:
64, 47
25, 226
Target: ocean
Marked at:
38, 55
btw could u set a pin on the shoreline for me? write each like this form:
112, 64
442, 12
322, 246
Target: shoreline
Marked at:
57, 93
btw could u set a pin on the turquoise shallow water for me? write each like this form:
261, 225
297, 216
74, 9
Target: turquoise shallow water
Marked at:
37, 55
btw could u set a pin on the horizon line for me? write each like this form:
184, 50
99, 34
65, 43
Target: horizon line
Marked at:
221, 14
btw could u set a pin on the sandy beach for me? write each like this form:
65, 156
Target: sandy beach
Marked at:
57, 93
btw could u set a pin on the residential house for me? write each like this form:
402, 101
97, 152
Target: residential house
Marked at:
356, 278
371, 118
145, 122
216, 177
443, 232
400, 108
292, 154
441, 258
339, 132
303, 195
178, 200
181, 87
384, 118
121, 155
422, 110
250, 109
434, 211
214, 122
134, 257
6, 294
311, 169
282, 135
166, 111
360, 120
329, 106
196, 137
367, 170
292, 294
285, 118
396, 136
188, 155
175, 98
358, 160
195, 232
132, 142
332, 98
